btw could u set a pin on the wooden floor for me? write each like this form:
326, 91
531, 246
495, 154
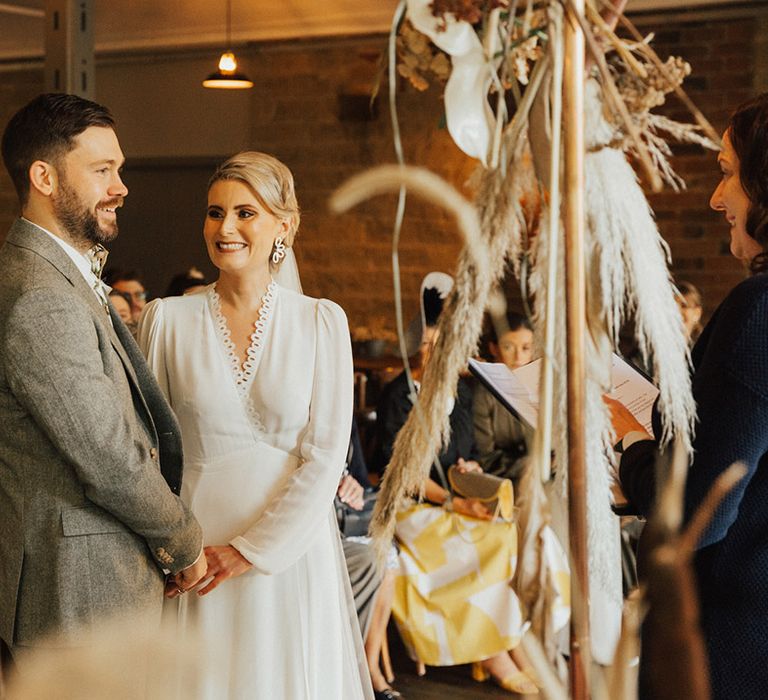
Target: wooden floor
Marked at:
452, 682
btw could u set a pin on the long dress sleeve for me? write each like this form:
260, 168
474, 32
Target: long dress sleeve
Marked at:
286, 529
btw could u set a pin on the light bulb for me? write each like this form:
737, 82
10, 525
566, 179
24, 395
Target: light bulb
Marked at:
227, 63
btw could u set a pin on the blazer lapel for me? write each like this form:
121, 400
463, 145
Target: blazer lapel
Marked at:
119, 346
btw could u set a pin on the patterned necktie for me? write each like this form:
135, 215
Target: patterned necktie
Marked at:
98, 257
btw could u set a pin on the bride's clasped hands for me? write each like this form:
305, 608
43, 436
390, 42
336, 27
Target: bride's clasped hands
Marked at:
224, 562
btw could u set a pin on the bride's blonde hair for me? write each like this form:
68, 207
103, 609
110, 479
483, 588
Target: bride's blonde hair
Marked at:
271, 182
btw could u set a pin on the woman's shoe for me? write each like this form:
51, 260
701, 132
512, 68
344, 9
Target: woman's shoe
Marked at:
386, 694
479, 673
518, 682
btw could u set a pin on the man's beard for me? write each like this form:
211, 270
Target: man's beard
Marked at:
80, 223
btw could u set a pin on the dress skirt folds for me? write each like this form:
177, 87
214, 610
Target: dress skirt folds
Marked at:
282, 663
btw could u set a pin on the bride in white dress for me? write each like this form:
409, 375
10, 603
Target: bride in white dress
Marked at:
260, 378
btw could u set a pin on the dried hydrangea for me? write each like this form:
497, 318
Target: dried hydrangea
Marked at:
419, 59
643, 94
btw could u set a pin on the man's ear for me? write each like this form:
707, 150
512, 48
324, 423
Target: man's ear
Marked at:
43, 177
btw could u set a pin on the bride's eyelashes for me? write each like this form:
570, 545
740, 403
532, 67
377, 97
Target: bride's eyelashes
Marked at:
218, 213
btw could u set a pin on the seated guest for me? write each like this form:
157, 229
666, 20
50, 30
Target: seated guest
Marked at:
122, 305
130, 283
689, 300
187, 282
372, 589
502, 440
447, 613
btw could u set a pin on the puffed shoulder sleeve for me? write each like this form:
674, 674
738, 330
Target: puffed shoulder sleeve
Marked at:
286, 529
151, 341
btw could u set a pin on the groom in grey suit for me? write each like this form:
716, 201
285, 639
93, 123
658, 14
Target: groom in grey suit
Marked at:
90, 452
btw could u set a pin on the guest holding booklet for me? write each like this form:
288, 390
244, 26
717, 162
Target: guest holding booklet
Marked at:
453, 598
503, 439
730, 386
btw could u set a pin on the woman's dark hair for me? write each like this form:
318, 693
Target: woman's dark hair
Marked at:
433, 306
515, 322
182, 282
748, 132
45, 129
113, 275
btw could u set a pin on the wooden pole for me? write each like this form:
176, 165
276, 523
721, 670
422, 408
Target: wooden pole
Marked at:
574, 219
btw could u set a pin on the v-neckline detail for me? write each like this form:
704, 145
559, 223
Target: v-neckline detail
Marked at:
243, 373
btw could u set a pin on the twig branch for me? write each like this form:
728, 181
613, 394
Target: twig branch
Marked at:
618, 103
697, 114
619, 46
720, 489
669, 508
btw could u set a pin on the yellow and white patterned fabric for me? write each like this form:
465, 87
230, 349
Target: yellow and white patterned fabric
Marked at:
454, 601
558, 579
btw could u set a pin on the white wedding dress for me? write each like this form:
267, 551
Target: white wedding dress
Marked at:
264, 448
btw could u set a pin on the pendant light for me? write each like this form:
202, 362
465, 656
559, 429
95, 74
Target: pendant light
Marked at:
227, 77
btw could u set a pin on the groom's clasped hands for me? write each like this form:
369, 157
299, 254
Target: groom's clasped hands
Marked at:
215, 565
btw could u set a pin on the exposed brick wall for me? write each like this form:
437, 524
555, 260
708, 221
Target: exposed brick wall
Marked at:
295, 113
348, 258
727, 53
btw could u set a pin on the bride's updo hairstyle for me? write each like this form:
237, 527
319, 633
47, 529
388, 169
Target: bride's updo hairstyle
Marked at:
748, 131
270, 180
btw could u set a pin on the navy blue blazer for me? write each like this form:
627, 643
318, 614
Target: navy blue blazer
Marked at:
730, 386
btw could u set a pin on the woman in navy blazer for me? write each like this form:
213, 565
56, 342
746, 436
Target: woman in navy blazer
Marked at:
730, 386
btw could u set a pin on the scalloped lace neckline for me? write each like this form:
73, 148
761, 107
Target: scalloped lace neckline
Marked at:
244, 373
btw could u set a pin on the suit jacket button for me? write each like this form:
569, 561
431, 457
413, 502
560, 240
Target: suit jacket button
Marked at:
163, 556
153, 453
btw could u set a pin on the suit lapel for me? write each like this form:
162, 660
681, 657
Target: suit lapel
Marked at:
159, 413
122, 342
118, 344
26, 235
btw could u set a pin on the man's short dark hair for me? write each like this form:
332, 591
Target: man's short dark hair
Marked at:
113, 275
45, 130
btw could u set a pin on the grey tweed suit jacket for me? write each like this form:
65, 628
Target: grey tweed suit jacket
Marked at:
87, 517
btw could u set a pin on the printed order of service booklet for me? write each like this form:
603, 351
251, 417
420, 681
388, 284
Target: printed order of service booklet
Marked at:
518, 390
